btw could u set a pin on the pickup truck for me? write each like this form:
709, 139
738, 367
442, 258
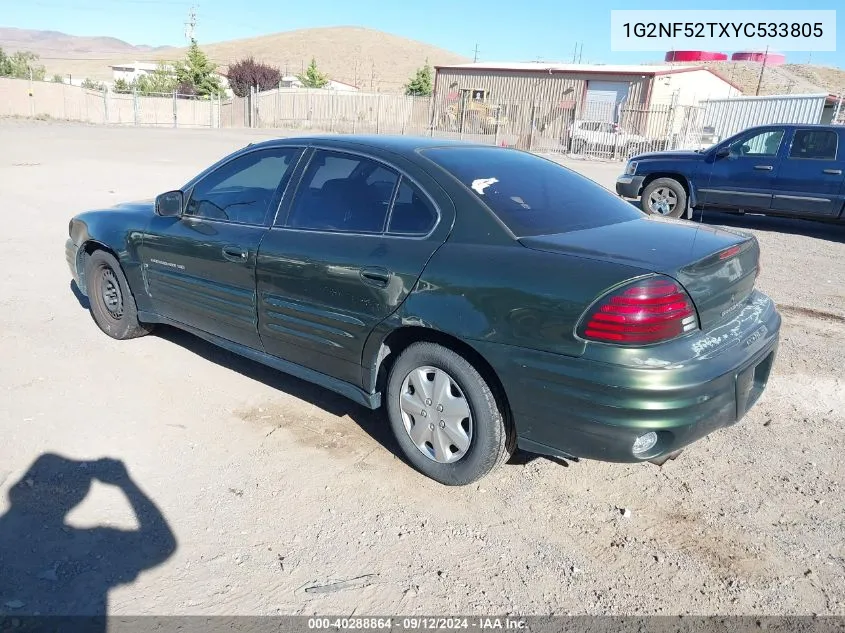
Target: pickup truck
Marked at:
785, 170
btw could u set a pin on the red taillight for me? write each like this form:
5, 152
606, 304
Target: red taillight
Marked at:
649, 311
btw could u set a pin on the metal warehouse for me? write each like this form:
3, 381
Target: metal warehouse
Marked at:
544, 99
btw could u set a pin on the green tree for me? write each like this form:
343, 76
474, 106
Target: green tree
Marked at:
198, 72
312, 77
121, 86
91, 84
161, 81
421, 84
5, 64
21, 65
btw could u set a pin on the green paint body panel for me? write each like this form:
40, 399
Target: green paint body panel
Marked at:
302, 301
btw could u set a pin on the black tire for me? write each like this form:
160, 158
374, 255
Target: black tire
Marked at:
670, 184
492, 441
119, 317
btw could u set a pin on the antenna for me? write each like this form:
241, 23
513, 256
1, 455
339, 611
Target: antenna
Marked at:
191, 23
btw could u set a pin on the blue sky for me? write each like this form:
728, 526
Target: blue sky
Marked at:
503, 30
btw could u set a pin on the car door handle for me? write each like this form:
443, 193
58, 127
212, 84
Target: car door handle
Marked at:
764, 167
833, 172
375, 276
235, 254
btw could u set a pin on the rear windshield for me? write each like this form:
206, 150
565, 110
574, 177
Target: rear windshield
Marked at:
532, 195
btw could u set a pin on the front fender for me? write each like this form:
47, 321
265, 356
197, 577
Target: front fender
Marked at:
119, 231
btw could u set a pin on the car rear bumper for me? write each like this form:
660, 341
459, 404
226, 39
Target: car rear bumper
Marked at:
629, 186
580, 407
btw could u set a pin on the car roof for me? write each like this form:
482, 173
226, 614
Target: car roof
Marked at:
403, 145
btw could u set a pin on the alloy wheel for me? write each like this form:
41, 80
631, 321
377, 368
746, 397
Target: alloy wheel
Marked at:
662, 201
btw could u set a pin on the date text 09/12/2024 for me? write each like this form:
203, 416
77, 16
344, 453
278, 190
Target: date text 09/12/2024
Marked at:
416, 623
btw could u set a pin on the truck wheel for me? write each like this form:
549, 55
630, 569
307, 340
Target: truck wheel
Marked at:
445, 416
110, 298
664, 196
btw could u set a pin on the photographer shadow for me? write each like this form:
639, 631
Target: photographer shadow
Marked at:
50, 568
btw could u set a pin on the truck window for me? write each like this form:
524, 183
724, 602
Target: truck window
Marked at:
760, 144
814, 144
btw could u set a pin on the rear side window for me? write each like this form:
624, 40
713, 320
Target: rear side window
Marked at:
412, 213
532, 195
814, 144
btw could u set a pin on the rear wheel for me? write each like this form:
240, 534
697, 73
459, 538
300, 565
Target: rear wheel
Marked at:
445, 416
111, 302
664, 196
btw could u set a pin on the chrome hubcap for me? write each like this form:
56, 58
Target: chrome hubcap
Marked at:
436, 414
662, 201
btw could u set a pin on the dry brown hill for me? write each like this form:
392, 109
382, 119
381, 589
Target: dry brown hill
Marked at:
54, 43
785, 79
361, 56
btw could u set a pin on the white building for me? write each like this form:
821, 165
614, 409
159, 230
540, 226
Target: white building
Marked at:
131, 71
292, 81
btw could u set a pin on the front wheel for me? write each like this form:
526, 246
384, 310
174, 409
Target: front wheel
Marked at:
444, 414
664, 196
111, 302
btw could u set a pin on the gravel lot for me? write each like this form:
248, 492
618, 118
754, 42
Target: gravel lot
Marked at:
272, 487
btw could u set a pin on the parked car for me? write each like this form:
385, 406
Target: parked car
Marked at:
602, 136
785, 170
486, 298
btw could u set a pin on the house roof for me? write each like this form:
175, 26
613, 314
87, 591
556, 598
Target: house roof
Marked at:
615, 69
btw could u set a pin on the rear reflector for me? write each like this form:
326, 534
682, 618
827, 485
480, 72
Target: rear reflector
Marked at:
729, 252
649, 311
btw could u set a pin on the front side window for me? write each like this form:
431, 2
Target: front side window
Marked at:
241, 190
529, 194
762, 144
814, 144
343, 192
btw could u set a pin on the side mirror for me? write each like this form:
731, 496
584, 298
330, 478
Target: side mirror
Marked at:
169, 205
723, 152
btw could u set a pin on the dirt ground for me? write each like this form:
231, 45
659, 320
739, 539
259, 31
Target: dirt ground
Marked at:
272, 487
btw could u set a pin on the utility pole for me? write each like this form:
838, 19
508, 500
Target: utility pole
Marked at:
762, 70
475, 54
191, 24
580, 52
373, 76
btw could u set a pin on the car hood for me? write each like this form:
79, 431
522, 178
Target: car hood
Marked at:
135, 205
674, 154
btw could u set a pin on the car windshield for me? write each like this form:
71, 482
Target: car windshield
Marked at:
529, 194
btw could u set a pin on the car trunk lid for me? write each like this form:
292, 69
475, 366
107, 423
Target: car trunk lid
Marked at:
717, 266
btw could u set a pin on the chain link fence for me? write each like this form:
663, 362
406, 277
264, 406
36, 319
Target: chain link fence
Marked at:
593, 130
